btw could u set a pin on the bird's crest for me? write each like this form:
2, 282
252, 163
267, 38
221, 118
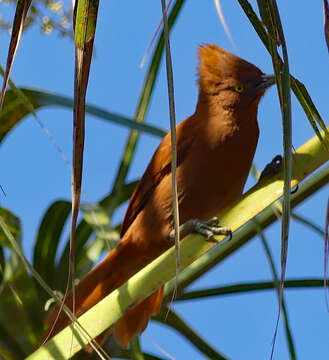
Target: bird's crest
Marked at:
217, 64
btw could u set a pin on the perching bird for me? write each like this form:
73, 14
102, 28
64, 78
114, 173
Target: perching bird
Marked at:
215, 148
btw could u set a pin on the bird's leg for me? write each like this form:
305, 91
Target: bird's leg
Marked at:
207, 228
274, 167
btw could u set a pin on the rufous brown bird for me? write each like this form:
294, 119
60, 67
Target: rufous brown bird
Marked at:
215, 148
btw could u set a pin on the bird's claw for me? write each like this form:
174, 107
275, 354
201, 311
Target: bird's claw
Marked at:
210, 228
207, 228
211, 222
274, 167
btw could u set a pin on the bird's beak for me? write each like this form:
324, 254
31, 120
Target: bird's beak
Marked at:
267, 81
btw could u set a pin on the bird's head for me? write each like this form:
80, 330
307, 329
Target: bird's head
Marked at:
234, 80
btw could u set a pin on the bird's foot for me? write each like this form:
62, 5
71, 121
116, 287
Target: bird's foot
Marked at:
207, 228
273, 168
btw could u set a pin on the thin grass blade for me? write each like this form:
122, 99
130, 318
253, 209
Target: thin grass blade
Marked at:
85, 20
273, 24
271, 19
307, 222
19, 94
326, 21
97, 217
310, 110
172, 113
47, 240
156, 32
289, 337
222, 20
22, 8
14, 225
242, 288
9, 348
326, 254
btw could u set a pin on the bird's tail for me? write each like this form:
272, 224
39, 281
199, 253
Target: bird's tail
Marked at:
137, 318
98, 283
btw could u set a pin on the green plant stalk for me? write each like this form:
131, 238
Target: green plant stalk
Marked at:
308, 158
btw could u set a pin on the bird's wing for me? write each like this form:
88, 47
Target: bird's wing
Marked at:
159, 166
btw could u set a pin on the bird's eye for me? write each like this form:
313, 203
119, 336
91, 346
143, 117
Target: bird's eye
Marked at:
239, 88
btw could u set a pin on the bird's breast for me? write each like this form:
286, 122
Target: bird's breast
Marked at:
214, 173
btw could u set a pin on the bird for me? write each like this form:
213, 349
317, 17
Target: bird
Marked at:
215, 149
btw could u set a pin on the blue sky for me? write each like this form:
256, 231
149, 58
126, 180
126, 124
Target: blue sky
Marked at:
34, 175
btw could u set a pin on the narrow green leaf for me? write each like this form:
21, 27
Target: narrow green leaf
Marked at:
22, 8
19, 94
308, 223
169, 318
288, 332
9, 348
107, 238
47, 240
282, 75
2, 265
84, 27
14, 225
255, 22
310, 110
18, 295
248, 287
326, 253
15, 109
172, 113
20, 314
326, 21
95, 216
